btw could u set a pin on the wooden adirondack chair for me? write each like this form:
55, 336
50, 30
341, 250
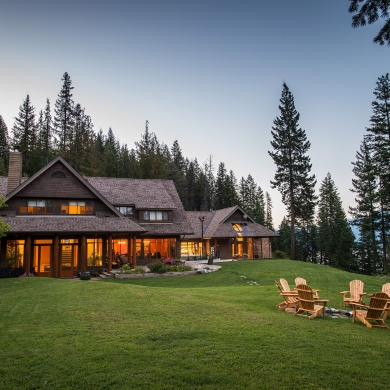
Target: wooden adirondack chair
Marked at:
372, 315
356, 288
286, 287
308, 304
290, 298
299, 281
386, 289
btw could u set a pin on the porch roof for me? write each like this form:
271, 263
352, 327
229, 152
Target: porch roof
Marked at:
68, 224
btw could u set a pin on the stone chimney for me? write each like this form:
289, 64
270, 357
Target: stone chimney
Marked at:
14, 169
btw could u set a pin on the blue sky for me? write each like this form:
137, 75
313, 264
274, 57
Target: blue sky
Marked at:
206, 73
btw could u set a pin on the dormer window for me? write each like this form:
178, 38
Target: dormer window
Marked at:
155, 216
36, 206
125, 210
76, 207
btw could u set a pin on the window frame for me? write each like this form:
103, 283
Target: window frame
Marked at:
46, 207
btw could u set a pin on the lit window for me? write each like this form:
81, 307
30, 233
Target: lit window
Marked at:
36, 207
76, 207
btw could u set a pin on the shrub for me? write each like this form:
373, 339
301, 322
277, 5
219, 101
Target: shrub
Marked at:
85, 276
280, 255
158, 267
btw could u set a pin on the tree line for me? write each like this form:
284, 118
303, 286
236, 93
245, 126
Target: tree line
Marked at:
316, 227
70, 132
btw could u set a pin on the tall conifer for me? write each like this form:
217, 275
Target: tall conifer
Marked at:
292, 177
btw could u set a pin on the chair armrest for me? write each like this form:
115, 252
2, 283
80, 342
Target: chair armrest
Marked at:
344, 292
353, 304
322, 301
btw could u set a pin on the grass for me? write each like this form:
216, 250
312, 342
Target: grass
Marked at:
211, 331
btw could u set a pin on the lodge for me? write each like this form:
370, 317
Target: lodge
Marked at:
62, 223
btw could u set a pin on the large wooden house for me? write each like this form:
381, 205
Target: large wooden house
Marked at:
62, 223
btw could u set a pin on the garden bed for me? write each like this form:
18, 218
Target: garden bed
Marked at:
153, 275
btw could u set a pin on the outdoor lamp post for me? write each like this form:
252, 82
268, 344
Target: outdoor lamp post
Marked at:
201, 219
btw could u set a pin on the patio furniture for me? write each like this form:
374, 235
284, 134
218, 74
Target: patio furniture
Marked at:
299, 281
307, 303
290, 298
356, 288
386, 289
372, 315
286, 287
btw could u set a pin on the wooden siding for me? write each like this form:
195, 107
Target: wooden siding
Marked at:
46, 187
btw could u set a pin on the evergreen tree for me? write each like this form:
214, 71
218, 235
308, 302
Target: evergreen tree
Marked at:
24, 130
220, 189
268, 223
335, 237
366, 214
369, 13
177, 170
292, 177
231, 190
64, 118
111, 155
284, 240
4, 147
46, 134
380, 142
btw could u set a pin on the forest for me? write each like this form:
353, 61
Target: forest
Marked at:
315, 228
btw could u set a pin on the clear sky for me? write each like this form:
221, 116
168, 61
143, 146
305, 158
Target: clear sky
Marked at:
207, 73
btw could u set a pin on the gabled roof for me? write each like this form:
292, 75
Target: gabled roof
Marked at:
217, 225
60, 159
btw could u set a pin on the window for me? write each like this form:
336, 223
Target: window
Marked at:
36, 207
76, 207
156, 215
125, 210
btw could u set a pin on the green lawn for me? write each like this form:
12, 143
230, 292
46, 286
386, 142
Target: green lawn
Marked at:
211, 331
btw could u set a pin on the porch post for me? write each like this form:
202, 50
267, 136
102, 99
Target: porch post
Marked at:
134, 252
129, 249
83, 262
27, 257
109, 254
56, 259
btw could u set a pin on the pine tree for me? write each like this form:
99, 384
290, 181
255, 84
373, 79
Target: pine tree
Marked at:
283, 242
292, 177
64, 118
231, 190
366, 214
111, 155
24, 129
335, 237
380, 140
46, 134
177, 170
220, 189
4, 147
268, 223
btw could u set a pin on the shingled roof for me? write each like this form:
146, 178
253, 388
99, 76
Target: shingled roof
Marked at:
79, 224
144, 194
217, 225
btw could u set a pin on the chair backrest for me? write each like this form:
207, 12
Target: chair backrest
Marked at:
299, 281
386, 289
378, 303
305, 296
356, 287
285, 286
